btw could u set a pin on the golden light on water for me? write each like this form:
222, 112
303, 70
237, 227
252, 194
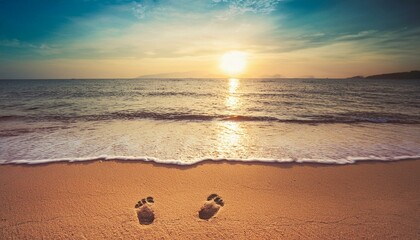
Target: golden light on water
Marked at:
233, 85
230, 139
231, 132
232, 101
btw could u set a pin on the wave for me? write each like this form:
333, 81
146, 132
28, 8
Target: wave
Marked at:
11, 117
173, 94
350, 117
342, 161
19, 131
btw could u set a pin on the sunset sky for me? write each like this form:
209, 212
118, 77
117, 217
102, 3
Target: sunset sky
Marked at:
288, 38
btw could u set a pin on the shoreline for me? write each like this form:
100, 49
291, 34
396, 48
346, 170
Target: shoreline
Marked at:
173, 162
95, 199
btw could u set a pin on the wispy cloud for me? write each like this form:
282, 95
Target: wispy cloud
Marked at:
240, 7
139, 10
15, 43
167, 30
27, 48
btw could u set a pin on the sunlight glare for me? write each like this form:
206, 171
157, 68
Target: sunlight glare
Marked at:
232, 101
233, 85
230, 136
233, 63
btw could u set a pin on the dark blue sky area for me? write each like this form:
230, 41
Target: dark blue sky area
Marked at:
36, 20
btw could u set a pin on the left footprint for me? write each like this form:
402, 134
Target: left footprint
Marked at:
145, 213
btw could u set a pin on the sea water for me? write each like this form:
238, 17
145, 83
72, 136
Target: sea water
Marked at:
184, 121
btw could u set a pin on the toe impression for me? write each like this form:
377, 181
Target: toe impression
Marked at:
145, 213
211, 207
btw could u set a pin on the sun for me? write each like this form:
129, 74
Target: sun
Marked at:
233, 63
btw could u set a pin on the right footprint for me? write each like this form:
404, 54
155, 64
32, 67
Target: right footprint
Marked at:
145, 213
211, 207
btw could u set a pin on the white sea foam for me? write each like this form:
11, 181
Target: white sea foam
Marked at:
348, 160
190, 143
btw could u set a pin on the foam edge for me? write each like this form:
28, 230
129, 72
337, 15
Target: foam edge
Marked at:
342, 161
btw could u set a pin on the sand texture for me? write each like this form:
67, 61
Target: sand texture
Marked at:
100, 200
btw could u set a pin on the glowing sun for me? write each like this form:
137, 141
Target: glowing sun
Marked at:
233, 62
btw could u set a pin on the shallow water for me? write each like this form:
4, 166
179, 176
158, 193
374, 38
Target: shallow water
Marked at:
184, 121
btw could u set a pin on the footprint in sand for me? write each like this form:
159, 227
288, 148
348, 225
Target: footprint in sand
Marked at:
211, 207
145, 213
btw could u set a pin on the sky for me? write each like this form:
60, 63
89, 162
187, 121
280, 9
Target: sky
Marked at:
281, 38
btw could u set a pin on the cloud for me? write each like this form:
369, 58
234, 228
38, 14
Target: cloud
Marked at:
139, 10
15, 43
390, 44
240, 7
168, 29
357, 36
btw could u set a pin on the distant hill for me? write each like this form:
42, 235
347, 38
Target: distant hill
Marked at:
398, 75
356, 77
273, 76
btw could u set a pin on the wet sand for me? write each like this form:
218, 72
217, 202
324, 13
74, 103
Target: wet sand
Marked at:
97, 200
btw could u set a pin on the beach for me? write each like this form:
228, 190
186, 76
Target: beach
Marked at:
210, 119
96, 200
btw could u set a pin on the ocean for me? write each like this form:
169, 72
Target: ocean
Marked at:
185, 121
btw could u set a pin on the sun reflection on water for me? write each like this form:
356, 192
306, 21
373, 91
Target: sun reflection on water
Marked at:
230, 132
233, 85
232, 100
230, 139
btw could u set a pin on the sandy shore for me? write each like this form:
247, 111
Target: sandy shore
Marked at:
269, 201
